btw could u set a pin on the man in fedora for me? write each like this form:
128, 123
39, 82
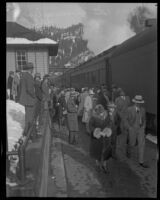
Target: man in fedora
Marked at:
136, 125
27, 95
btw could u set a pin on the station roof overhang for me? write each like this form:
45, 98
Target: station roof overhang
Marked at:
16, 43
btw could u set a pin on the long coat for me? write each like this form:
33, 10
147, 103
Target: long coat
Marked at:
72, 115
122, 105
45, 90
100, 148
88, 106
136, 120
81, 103
102, 100
27, 91
9, 82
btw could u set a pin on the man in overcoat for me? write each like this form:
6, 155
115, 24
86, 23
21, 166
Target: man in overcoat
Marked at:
136, 121
27, 95
122, 102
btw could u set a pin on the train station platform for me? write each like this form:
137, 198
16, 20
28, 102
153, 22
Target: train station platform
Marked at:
68, 170
72, 171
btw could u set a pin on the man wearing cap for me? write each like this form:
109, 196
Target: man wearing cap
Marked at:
27, 95
122, 102
136, 121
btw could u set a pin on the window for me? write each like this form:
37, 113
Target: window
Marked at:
21, 59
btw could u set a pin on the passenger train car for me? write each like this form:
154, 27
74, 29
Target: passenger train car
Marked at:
131, 65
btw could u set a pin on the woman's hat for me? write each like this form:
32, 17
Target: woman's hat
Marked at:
72, 93
46, 76
138, 99
111, 105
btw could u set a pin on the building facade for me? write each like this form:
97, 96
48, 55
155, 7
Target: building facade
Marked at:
27, 46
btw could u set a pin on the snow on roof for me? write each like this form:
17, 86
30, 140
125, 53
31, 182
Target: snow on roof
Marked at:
26, 41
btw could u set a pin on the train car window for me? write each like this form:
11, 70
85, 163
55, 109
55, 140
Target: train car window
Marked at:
90, 77
97, 76
93, 77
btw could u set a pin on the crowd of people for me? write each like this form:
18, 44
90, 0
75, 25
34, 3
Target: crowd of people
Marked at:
105, 114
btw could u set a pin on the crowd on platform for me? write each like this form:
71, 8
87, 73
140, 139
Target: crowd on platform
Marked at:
105, 114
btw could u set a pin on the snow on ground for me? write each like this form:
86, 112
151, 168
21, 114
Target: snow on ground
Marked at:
152, 138
15, 122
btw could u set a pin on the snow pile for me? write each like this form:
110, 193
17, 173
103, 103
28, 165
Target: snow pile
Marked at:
15, 123
152, 138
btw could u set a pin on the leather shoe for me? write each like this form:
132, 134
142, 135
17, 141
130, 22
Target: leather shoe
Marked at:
143, 165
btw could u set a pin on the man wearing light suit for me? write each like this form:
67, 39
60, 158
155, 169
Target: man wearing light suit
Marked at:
136, 122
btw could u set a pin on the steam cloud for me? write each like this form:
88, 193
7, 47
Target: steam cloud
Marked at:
16, 11
106, 25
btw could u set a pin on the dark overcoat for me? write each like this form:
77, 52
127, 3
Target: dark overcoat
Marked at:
27, 91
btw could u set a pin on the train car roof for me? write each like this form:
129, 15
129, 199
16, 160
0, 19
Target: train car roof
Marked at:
145, 37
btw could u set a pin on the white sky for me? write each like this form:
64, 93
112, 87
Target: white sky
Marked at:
66, 14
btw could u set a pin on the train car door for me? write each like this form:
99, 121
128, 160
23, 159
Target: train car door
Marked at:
108, 75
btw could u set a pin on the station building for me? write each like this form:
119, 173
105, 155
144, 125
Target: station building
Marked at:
24, 45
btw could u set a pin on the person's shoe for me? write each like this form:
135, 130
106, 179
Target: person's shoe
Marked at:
143, 165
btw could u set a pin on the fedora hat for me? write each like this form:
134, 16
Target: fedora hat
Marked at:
138, 99
38, 75
28, 66
91, 92
122, 93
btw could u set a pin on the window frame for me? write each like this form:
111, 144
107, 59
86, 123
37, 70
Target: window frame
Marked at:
21, 51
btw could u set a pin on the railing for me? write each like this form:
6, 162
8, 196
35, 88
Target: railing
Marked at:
39, 177
42, 173
21, 154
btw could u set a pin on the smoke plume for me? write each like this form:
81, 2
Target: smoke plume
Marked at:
106, 25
